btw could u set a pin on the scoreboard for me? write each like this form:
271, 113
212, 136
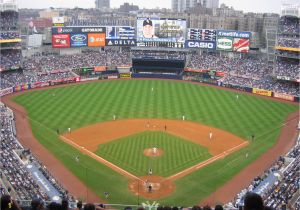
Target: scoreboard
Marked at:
201, 34
161, 32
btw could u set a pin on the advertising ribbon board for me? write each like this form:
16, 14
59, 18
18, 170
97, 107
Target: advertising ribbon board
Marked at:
96, 39
210, 45
262, 92
284, 96
125, 75
78, 40
61, 40
224, 43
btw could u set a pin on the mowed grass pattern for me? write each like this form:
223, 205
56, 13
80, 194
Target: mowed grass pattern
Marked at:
81, 105
178, 154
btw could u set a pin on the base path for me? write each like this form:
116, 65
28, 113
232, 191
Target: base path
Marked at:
244, 178
220, 144
223, 194
64, 177
90, 137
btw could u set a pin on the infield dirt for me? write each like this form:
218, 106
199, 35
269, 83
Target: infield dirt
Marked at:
224, 194
87, 140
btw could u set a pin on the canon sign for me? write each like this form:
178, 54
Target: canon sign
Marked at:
200, 44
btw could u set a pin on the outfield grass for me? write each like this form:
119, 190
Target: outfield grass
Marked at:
80, 105
178, 155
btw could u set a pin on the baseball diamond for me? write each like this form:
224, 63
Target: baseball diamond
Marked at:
88, 109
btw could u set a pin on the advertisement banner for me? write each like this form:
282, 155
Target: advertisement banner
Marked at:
234, 34
196, 70
61, 41
96, 40
25, 86
58, 21
284, 78
241, 45
120, 42
120, 32
201, 34
284, 96
287, 49
210, 45
78, 40
112, 77
75, 29
10, 40
6, 91
100, 68
39, 84
220, 74
125, 75
224, 43
262, 92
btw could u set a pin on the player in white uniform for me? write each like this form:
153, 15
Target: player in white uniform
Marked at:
210, 135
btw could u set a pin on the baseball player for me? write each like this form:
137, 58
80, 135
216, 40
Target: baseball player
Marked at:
154, 150
150, 171
210, 135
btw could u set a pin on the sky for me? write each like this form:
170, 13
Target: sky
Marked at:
245, 5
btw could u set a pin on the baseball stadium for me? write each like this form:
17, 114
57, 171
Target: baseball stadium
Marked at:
147, 112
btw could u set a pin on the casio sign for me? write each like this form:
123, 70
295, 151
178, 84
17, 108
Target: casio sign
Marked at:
204, 45
78, 38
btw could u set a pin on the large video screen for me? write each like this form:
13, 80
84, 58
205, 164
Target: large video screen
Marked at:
161, 32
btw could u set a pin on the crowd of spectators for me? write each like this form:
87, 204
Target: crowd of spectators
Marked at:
87, 59
247, 66
288, 42
13, 78
287, 67
13, 170
10, 59
266, 83
9, 20
9, 35
283, 190
251, 72
13, 162
289, 25
248, 71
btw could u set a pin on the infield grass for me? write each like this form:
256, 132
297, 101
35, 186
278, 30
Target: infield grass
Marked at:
178, 154
80, 105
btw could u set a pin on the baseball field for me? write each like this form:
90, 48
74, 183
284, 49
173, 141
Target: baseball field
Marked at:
114, 126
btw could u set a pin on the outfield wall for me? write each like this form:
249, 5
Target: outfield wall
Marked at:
267, 93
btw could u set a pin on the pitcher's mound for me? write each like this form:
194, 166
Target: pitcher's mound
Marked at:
160, 187
153, 152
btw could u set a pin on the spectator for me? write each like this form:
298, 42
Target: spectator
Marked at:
253, 201
8, 204
37, 204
